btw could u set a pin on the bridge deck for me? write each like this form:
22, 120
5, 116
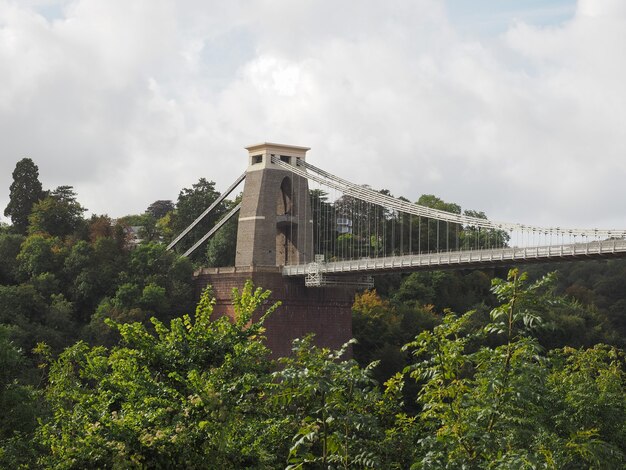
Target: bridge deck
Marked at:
467, 259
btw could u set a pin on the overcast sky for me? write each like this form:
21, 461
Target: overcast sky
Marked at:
519, 111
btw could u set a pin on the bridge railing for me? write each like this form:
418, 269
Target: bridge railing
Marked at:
450, 259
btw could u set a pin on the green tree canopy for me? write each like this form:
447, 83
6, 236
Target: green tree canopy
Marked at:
222, 246
59, 214
9, 248
183, 396
159, 208
191, 203
510, 406
39, 254
18, 404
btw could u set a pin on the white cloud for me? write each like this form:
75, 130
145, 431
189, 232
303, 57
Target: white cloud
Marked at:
129, 102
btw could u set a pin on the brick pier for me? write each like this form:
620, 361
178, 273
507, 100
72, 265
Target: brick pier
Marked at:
326, 312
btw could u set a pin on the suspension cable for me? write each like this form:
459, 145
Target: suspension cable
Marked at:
361, 192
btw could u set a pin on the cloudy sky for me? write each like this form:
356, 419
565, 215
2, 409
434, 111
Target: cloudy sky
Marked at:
513, 107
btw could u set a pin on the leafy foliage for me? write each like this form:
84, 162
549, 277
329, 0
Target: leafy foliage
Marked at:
178, 397
334, 405
487, 389
597, 296
160, 208
191, 203
19, 407
59, 214
505, 406
382, 328
9, 249
222, 247
203, 392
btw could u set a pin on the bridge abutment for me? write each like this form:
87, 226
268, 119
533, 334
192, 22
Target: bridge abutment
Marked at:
325, 312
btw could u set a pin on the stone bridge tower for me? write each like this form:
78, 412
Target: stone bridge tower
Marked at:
275, 229
275, 222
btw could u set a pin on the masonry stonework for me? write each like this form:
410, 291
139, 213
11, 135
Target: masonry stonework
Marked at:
275, 229
325, 312
275, 224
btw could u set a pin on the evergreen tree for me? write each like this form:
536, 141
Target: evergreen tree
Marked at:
25, 191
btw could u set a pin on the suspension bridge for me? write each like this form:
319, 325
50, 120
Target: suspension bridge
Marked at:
331, 231
313, 239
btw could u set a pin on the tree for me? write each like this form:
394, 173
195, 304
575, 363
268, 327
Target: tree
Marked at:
25, 191
59, 214
19, 407
100, 226
185, 396
39, 254
9, 249
473, 237
381, 329
510, 406
332, 407
221, 248
436, 235
146, 225
191, 203
160, 208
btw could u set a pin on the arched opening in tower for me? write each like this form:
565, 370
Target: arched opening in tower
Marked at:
286, 225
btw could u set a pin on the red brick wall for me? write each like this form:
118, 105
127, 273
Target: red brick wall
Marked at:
323, 311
